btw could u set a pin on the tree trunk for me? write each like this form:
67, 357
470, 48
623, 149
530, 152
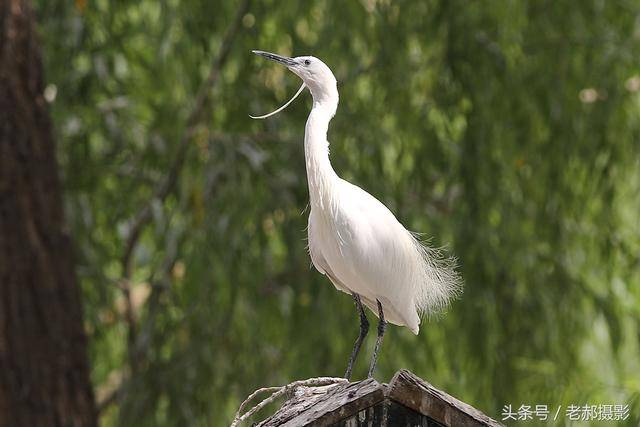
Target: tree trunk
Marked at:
44, 374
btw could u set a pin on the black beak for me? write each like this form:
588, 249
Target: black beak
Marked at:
272, 56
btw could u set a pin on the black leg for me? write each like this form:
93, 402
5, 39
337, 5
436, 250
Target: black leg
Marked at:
364, 328
382, 325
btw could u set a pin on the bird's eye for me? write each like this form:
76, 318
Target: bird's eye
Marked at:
307, 62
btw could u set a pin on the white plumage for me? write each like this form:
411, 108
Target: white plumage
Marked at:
353, 238
360, 245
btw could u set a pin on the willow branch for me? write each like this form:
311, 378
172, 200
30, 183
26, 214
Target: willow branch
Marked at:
166, 187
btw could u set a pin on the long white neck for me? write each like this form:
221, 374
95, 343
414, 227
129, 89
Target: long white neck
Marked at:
320, 175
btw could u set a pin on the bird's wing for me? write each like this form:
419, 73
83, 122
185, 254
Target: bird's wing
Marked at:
314, 251
351, 244
318, 260
409, 274
362, 247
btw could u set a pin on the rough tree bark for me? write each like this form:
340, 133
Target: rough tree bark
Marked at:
44, 374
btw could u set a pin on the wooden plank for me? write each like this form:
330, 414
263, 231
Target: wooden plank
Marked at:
407, 398
372, 416
387, 413
398, 415
419, 395
321, 406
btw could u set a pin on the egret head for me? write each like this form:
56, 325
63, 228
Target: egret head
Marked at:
314, 74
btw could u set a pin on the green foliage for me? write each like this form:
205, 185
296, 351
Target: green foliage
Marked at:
507, 130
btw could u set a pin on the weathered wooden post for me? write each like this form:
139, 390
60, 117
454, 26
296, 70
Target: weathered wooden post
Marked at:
406, 401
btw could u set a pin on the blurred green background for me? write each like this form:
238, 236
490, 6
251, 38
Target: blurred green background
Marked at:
508, 131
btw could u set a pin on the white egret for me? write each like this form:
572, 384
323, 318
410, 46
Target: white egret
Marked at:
353, 238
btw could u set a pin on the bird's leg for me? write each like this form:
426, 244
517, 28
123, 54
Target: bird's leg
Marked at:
382, 326
364, 329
